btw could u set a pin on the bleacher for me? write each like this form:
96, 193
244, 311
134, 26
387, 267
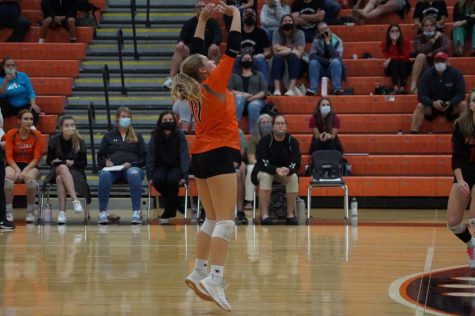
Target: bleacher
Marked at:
387, 162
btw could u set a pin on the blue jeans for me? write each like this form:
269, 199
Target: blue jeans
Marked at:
253, 110
332, 8
317, 70
278, 66
133, 176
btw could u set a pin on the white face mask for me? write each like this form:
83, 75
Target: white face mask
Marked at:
394, 36
69, 131
440, 67
325, 109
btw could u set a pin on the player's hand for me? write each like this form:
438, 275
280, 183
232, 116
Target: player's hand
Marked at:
463, 188
207, 12
226, 9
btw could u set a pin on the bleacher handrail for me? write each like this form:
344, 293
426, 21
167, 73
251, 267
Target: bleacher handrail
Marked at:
106, 83
91, 115
120, 46
148, 23
133, 12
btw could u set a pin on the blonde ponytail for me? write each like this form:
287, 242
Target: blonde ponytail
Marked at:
187, 84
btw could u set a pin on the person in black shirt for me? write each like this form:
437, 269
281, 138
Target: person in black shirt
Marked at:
4, 222
241, 5
434, 8
277, 159
463, 166
59, 13
168, 162
441, 92
307, 14
464, 25
182, 49
10, 16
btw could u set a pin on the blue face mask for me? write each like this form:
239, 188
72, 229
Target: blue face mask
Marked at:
429, 34
124, 122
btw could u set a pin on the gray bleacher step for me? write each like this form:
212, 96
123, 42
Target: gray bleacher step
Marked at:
161, 102
156, 4
129, 65
133, 84
156, 18
154, 49
152, 33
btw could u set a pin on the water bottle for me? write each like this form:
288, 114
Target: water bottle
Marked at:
47, 213
301, 211
324, 86
354, 211
194, 216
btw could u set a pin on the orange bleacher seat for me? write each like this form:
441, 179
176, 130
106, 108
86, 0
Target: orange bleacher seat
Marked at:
36, 4
53, 68
51, 104
46, 51
60, 35
46, 123
52, 86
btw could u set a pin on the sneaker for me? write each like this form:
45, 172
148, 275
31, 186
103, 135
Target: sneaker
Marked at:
338, 91
248, 205
300, 90
168, 83
193, 281
103, 220
292, 221
6, 224
164, 221
267, 221
215, 290
311, 92
9, 215
241, 218
290, 93
61, 218
277, 93
77, 206
136, 218
471, 258
30, 218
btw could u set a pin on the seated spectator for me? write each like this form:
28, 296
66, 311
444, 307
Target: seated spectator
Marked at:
186, 122
325, 125
59, 13
441, 92
278, 159
376, 8
437, 9
254, 40
23, 151
262, 128
122, 147
16, 91
426, 45
4, 222
464, 26
241, 5
306, 14
240, 166
10, 16
325, 60
67, 155
271, 13
288, 44
248, 87
182, 48
396, 50
168, 162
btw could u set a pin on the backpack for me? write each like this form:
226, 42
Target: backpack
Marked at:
278, 202
270, 109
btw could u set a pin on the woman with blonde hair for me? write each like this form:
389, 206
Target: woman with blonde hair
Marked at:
203, 84
124, 149
67, 154
463, 166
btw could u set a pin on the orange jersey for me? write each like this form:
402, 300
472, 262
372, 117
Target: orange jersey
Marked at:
19, 150
216, 124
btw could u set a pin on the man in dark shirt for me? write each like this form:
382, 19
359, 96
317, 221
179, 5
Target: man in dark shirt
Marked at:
278, 159
10, 16
182, 49
307, 14
437, 9
441, 91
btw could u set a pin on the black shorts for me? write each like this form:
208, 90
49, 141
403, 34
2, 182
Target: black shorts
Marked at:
449, 116
22, 165
214, 162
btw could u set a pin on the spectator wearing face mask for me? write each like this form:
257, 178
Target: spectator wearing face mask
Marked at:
426, 45
254, 41
249, 90
271, 13
396, 49
325, 125
441, 92
262, 128
123, 148
168, 162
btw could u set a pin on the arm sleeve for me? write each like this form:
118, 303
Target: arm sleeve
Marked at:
50, 156
459, 152
185, 33
295, 159
9, 148
262, 156
81, 160
184, 156
103, 152
233, 47
423, 91
29, 88
459, 89
142, 152
150, 161
38, 149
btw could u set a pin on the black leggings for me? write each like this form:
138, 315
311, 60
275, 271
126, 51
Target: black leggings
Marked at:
398, 71
166, 182
9, 110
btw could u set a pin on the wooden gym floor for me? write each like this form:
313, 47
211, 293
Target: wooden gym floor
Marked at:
390, 263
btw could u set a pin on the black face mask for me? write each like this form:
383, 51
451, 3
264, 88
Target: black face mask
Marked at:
246, 64
168, 126
287, 26
249, 21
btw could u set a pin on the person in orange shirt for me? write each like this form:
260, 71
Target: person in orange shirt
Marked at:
23, 150
204, 85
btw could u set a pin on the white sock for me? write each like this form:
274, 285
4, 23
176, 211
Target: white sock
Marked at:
201, 265
471, 243
217, 271
9, 207
472, 223
41, 40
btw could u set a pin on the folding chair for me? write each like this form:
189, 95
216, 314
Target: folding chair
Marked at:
20, 189
327, 172
155, 194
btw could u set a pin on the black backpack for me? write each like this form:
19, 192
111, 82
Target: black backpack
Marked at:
270, 109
